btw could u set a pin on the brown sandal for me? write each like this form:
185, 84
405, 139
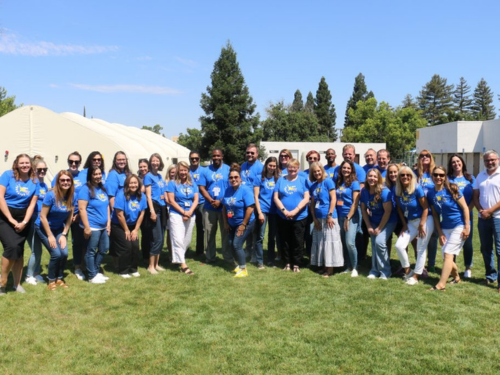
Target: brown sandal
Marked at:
52, 286
187, 271
61, 283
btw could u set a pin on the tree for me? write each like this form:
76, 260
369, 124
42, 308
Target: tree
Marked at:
359, 92
229, 122
462, 101
436, 101
6, 102
309, 107
192, 140
482, 105
298, 103
155, 129
409, 102
325, 111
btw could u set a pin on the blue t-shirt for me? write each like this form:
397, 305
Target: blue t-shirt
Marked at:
410, 203
465, 186
58, 213
376, 209
18, 194
215, 182
41, 192
78, 182
449, 209
284, 172
250, 173
83, 176
183, 194
320, 191
291, 194
266, 190
157, 187
367, 167
425, 181
383, 172
360, 173
236, 203
195, 176
345, 198
131, 209
115, 182
97, 207
330, 171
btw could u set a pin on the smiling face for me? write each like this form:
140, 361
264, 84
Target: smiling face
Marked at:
312, 158
405, 178
331, 156
392, 173
194, 160
234, 179
96, 176
252, 154
155, 164
456, 165
283, 159
64, 182
490, 162
171, 173
74, 162
370, 157
438, 176
133, 185
121, 161
383, 160
348, 154
41, 170
24, 165
217, 158
183, 173
97, 161
372, 178
425, 158
346, 170
293, 170
143, 168
271, 168
317, 173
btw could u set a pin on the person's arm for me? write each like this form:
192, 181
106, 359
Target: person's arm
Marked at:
317, 224
387, 214
260, 215
366, 218
333, 202
243, 226
150, 203
303, 203
224, 218
423, 219
108, 226
402, 218
84, 219
63, 240
190, 212
437, 226
174, 204
463, 205
111, 202
489, 212
475, 200
354, 207
280, 205
45, 223
4, 208
123, 222
204, 192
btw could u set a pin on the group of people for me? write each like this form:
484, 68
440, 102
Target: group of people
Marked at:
331, 211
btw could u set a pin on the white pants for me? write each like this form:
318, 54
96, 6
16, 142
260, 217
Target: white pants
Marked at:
180, 236
454, 241
405, 238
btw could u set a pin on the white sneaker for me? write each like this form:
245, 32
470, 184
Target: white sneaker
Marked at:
97, 280
30, 280
79, 274
125, 276
40, 279
412, 281
468, 274
105, 278
354, 273
382, 277
371, 276
136, 274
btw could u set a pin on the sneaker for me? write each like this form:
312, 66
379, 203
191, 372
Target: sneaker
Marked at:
40, 279
237, 269
79, 274
408, 276
371, 276
468, 274
354, 273
19, 289
382, 277
242, 273
125, 276
105, 278
412, 281
97, 280
30, 280
261, 267
136, 274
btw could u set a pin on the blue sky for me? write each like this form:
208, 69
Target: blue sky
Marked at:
147, 62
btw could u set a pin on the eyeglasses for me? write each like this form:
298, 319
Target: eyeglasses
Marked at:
424, 156
234, 177
405, 175
442, 175
96, 159
490, 160
42, 170
64, 180
250, 153
312, 159
194, 159
71, 162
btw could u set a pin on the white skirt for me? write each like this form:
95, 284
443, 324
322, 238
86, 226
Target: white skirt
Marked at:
327, 246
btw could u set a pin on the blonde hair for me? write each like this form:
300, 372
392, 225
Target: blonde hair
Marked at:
313, 166
293, 163
182, 164
420, 167
400, 190
380, 184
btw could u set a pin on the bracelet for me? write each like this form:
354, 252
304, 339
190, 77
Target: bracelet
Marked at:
243, 225
64, 234
24, 222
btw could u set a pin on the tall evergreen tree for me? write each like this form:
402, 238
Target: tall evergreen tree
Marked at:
298, 103
436, 101
325, 111
359, 92
462, 100
309, 107
482, 105
229, 122
409, 102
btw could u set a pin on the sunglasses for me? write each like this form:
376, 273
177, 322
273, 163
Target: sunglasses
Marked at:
42, 170
195, 159
442, 175
250, 153
64, 180
405, 175
424, 156
96, 159
233, 177
312, 159
284, 156
71, 162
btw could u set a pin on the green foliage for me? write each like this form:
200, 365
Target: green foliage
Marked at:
6, 102
409, 102
325, 111
192, 140
298, 103
372, 123
155, 129
359, 92
309, 106
462, 101
436, 101
229, 122
482, 106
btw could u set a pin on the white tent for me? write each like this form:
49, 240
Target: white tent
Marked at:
35, 130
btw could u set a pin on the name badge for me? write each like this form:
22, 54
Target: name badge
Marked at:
230, 214
216, 191
187, 204
340, 203
406, 214
317, 205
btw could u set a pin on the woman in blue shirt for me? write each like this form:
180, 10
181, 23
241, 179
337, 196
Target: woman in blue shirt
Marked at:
237, 214
263, 189
291, 197
93, 204
52, 226
145, 240
413, 211
126, 221
17, 203
457, 174
348, 193
183, 196
326, 247
448, 203
376, 208
96, 160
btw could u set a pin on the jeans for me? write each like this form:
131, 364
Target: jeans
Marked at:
349, 241
58, 256
78, 242
36, 251
236, 243
380, 257
489, 230
97, 247
157, 238
259, 234
200, 231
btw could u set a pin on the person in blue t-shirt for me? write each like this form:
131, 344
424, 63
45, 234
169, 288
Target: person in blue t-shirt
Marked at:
265, 209
326, 243
284, 157
143, 165
370, 159
413, 211
17, 203
348, 194
156, 216
383, 160
195, 170
53, 224
457, 174
291, 198
182, 195
126, 220
311, 157
448, 203
213, 183
96, 160
95, 219
376, 208
330, 166
237, 212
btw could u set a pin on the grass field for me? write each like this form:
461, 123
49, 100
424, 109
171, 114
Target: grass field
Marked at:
271, 322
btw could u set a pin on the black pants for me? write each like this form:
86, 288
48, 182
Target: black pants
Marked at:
12, 241
126, 251
291, 234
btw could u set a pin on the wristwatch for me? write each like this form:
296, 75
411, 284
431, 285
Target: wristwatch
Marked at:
330, 214
283, 209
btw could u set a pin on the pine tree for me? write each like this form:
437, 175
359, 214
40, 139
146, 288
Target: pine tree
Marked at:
482, 105
436, 101
359, 92
309, 107
409, 102
462, 100
325, 111
298, 103
229, 122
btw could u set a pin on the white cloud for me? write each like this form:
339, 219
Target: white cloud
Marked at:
138, 89
186, 62
12, 45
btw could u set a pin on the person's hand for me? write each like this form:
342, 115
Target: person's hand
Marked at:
108, 228
421, 230
62, 242
240, 230
346, 224
262, 218
317, 224
153, 216
442, 239
226, 227
87, 233
134, 235
19, 227
371, 232
52, 241
376, 231
330, 222
465, 233
128, 237
404, 230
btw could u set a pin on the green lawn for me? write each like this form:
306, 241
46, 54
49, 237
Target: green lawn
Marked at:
271, 322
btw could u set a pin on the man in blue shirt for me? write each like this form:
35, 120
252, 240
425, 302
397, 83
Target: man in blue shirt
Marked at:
383, 160
370, 160
330, 160
195, 170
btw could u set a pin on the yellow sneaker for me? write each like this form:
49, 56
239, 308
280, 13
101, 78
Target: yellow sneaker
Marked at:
242, 273
237, 269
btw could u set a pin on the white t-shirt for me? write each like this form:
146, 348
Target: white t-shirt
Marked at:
489, 190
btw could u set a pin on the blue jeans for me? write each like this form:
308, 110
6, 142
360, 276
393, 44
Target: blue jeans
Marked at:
58, 256
380, 256
349, 240
36, 251
489, 230
77, 241
259, 234
236, 243
97, 247
157, 236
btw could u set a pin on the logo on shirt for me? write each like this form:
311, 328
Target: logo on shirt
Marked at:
187, 190
230, 201
62, 206
196, 176
43, 192
133, 205
216, 176
23, 191
102, 197
161, 184
269, 185
290, 189
77, 184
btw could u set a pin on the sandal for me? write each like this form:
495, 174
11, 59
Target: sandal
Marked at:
326, 275
187, 271
434, 289
296, 269
52, 285
61, 283
456, 281
287, 268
